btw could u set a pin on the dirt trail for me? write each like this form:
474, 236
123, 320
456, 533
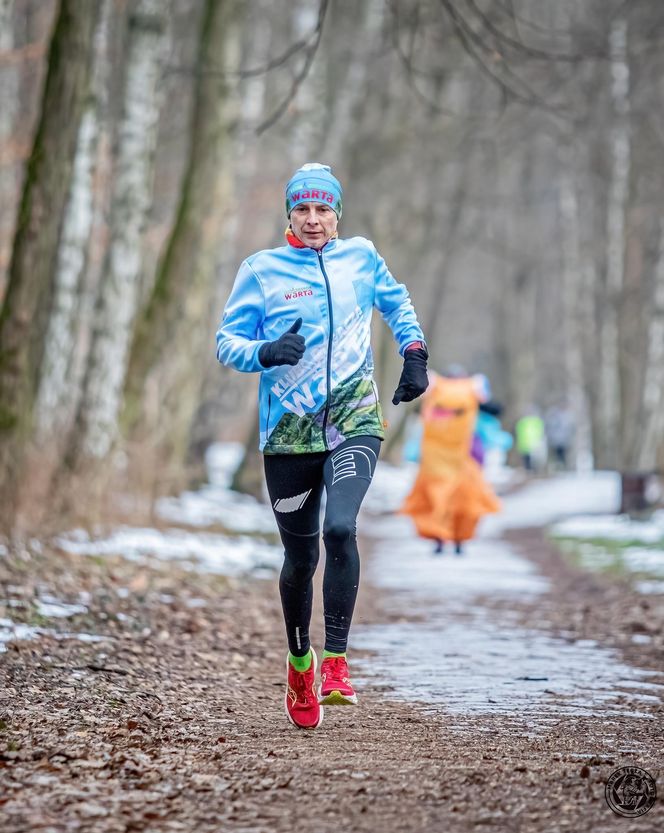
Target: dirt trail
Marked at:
175, 721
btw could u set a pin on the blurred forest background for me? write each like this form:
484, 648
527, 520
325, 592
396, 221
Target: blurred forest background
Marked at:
505, 156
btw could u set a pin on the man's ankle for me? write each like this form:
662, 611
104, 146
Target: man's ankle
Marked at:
302, 663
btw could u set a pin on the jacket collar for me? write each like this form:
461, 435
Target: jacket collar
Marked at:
295, 242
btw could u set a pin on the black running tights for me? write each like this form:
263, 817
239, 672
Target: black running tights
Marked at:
295, 483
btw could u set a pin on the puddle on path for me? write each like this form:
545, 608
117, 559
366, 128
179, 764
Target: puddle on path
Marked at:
469, 659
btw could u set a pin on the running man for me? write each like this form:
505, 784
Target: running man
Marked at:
300, 315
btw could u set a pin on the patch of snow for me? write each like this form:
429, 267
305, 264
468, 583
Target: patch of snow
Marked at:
620, 528
196, 603
650, 587
51, 607
215, 505
501, 476
221, 462
82, 637
389, 487
641, 639
639, 560
612, 527
14, 631
204, 551
542, 502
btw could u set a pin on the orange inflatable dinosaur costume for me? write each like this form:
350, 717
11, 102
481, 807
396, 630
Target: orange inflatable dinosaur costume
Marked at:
450, 494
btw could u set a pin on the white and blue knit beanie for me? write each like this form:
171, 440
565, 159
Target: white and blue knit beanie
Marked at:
314, 182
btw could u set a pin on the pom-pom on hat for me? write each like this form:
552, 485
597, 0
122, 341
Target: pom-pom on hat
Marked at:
314, 182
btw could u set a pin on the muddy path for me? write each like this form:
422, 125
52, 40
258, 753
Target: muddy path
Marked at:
174, 720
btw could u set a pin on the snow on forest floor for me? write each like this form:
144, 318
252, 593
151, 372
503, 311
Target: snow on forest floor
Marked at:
247, 542
617, 544
247, 545
172, 718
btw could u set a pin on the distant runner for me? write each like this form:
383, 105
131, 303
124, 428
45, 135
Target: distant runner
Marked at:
301, 314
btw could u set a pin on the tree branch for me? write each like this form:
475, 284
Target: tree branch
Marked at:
299, 78
253, 72
473, 44
519, 46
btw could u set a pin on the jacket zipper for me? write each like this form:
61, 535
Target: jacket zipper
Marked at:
329, 346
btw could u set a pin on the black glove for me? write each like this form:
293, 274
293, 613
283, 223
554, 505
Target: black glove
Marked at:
414, 380
287, 349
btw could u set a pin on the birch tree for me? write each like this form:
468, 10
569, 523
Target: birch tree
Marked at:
24, 316
57, 394
652, 433
97, 420
173, 336
577, 309
8, 99
609, 423
341, 128
220, 386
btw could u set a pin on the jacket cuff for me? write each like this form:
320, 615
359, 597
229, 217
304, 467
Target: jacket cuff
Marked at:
417, 345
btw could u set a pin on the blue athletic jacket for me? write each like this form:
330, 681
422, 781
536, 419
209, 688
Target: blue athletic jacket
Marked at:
330, 395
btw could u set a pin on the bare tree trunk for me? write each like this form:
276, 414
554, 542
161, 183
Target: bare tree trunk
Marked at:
216, 380
445, 243
173, 337
9, 85
27, 305
652, 433
520, 278
578, 316
634, 323
310, 101
355, 89
119, 292
620, 168
56, 396
248, 477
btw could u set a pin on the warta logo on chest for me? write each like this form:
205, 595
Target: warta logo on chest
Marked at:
318, 196
294, 293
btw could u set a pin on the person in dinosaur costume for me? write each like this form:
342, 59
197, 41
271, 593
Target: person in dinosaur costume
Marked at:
450, 494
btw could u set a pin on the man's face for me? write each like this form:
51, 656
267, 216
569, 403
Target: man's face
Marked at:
313, 223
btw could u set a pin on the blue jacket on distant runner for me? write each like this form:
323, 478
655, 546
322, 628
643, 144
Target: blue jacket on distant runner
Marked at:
330, 395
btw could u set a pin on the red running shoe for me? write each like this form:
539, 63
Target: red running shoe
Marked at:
302, 707
335, 688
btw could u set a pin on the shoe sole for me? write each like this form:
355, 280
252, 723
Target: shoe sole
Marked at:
290, 719
336, 698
